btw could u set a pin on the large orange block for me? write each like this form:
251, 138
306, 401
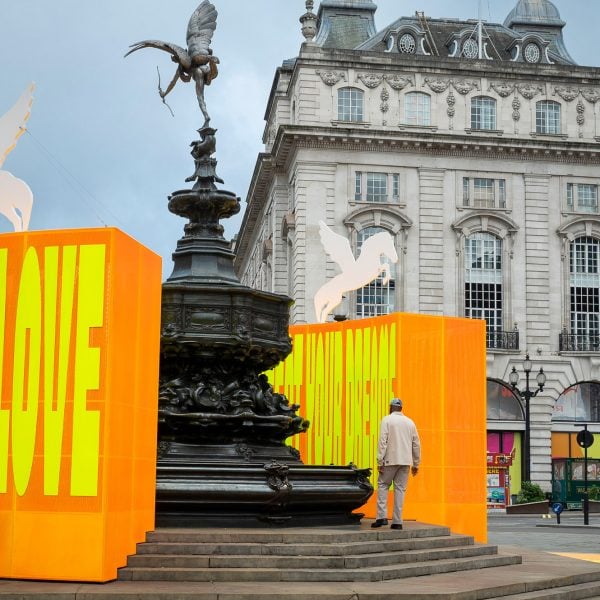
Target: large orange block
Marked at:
79, 352
343, 375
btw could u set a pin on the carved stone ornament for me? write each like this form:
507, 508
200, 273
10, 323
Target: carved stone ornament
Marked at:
398, 82
502, 88
516, 104
464, 86
528, 90
370, 80
385, 96
567, 93
580, 114
331, 77
591, 95
451, 101
437, 85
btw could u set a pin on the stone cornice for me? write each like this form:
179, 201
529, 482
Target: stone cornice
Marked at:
291, 138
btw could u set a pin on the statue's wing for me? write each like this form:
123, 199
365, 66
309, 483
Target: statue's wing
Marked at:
201, 27
12, 123
178, 53
337, 246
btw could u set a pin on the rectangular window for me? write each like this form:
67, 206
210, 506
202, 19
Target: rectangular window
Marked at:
547, 117
483, 113
484, 192
358, 186
417, 109
570, 195
377, 187
483, 280
587, 198
396, 187
582, 197
350, 104
502, 193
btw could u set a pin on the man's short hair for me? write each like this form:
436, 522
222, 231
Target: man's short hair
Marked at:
396, 402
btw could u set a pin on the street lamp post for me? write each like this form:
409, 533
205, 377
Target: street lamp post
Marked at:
526, 395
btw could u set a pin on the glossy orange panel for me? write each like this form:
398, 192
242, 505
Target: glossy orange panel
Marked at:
79, 348
343, 376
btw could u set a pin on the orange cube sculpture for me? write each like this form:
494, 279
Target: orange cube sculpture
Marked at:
344, 374
79, 352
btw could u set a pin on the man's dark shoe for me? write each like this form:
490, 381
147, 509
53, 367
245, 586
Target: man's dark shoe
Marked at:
379, 523
396, 526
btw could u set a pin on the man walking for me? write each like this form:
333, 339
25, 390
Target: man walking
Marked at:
398, 452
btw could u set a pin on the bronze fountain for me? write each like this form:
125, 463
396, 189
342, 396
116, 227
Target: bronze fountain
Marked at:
222, 456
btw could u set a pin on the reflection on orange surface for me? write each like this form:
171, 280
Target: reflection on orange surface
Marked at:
79, 336
343, 376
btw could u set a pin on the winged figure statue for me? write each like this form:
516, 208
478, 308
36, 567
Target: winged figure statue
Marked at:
16, 199
356, 273
197, 62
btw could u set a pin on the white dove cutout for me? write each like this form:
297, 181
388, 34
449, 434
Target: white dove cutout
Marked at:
16, 199
355, 273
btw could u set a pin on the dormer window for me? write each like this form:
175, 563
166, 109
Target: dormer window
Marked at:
407, 44
532, 53
470, 49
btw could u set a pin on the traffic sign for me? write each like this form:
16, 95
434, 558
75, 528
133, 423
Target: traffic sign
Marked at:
585, 438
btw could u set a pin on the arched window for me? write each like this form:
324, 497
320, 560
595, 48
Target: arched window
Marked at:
584, 294
483, 280
350, 104
502, 403
417, 109
547, 117
580, 402
483, 113
378, 297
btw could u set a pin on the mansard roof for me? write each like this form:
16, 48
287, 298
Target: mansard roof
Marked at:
350, 24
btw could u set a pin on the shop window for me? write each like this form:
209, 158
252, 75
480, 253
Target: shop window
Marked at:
502, 405
580, 402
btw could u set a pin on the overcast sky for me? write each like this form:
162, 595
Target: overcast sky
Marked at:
103, 150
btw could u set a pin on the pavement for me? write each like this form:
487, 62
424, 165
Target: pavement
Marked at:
571, 538
565, 553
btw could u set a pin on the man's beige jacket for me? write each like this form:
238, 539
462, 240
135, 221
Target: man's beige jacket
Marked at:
399, 442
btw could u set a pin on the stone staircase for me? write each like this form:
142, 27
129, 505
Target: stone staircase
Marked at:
307, 555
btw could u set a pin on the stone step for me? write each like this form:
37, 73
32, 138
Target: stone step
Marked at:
590, 590
302, 549
292, 536
356, 561
381, 573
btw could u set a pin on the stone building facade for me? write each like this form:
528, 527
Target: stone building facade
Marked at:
477, 146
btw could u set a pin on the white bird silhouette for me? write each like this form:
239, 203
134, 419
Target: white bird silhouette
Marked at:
355, 273
16, 199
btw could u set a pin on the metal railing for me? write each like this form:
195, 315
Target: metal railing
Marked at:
502, 340
577, 342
